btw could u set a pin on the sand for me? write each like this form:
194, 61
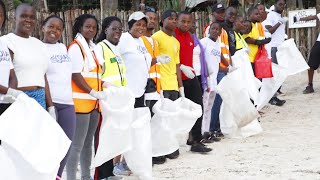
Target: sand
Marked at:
289, 147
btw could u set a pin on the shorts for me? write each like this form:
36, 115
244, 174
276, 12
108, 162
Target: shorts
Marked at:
314, 59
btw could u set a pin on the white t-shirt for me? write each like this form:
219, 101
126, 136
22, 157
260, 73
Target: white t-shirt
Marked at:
31, 59
212, 51
5, 67
278, 37
137, 61
196, 60
59, 74
319, 33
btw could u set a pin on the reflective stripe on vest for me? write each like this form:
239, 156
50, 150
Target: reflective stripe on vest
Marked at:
84, 102
224, 47
154, 71
115, 71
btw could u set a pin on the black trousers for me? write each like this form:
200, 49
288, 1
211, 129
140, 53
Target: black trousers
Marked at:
171, 94
139, 102
150, 104
192, 91
3, 107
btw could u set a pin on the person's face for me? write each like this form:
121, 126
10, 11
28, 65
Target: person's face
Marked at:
215, 31
113, 32
280, 5
138, 28
2, 16
170, 22
184, 22
219, 15
25, 20
89, 29
239, 23
247, 28
153, 19
193, 28
52, 30
255, 16
231, 15
262, 12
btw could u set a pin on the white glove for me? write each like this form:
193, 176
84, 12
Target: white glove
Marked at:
188, 71
231, 68
108, 85
247, 50
163, 59
181, 91
98, 95
283, 20
52, 112
13, 92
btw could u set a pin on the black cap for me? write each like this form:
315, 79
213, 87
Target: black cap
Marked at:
217, 7
165, 15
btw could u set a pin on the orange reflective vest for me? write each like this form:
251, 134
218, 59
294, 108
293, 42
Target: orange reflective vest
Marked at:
84, 102
154, 71
224, 43
261, 30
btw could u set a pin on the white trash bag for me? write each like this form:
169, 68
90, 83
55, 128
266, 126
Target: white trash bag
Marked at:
289, 56
188, 113
139, 158
117, 116
236, 98
164, 140
34, 137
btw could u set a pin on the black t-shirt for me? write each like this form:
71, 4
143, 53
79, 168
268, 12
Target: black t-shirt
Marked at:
231, 37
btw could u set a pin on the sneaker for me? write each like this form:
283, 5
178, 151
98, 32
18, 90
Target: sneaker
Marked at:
200, 148
173, 155
119, 170
280, 92
276, 101
309, 89
206, 138
215, 136
158, 160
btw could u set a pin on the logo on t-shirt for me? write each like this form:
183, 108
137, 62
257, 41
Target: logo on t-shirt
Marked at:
215, 52
4, 56
142, 49
61, 58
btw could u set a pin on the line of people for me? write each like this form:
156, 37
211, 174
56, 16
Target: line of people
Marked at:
172, 62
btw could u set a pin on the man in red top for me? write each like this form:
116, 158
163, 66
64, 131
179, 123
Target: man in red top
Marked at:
192, 88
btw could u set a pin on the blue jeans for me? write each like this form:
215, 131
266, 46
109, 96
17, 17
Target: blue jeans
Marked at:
215, 121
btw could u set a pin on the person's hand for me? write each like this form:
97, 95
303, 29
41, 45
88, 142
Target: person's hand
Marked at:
98, 94
263, 41
188, 71
284, 20
52, 112
181, 91
108, 85
163, 59
13, 92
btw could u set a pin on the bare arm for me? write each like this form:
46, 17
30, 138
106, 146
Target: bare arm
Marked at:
13, 81
273, 29
250, 40
80, 82
309, 18
178, 71
226, 63
47, 93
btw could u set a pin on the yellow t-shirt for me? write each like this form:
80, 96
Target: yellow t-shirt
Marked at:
168, 45
254, 34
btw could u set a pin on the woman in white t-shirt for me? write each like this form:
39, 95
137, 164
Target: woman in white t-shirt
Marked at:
59, 78
212, 53
8, 79
136, 56
30, 58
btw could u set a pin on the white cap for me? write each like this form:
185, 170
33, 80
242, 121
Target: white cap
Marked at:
138, 15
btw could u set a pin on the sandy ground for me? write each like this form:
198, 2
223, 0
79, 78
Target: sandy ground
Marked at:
289, 147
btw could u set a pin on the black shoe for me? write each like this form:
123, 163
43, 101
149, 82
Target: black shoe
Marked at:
189, 142
309, 89
277, 102
206, 138
158, 160
173, 155
215, 136
200, 148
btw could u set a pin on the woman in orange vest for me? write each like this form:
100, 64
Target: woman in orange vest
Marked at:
86, 91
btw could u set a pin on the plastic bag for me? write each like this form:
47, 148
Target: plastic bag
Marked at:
164, 140
139, 158
241, 61
271, 85
262, 64
188, 113
114, 135
289, 56
34, 136
236, 98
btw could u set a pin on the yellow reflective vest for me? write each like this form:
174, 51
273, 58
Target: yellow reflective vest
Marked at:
114, 69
